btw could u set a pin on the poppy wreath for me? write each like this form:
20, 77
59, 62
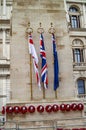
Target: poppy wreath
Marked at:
23, 109
55, 108
31, 109
68, 107
40, 108
9, 109
75, 129
3, 110
59, 129
80, 106
48, 108
74, 106
17, 109
62, 107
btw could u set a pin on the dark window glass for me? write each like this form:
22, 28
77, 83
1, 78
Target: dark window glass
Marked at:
73, 9
75, 22
74, 17
78, 55
81, 86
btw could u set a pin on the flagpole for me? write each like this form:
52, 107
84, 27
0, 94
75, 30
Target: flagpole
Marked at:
43, 92
31, 78
28, 32
55, 94
52, 31
41, 30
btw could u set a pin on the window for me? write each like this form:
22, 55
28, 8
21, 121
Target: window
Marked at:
78, 55
78, 51
4, 89
73, 9
81, 86
74, 17
75, 23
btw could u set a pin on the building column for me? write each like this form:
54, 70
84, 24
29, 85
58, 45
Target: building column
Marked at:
4, 40
4, 8
84, 15
67, 15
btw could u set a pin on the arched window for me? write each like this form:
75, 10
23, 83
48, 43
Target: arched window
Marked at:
78, 51
74, 17
81, 86
73, 9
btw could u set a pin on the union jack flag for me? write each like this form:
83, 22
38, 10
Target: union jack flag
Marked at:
44, 70
33, 53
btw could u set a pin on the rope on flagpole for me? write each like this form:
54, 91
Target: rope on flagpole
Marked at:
28, 32
41, 30
52, 31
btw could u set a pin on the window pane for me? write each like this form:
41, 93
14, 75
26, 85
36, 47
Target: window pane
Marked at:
81, 87
74, 22
77, 55
73, 9
82, 58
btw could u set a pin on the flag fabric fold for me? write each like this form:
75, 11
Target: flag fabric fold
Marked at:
33, 53
44, 70
56, 66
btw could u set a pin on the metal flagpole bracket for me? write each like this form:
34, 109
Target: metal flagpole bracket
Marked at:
29, 30
40, 29
51, 29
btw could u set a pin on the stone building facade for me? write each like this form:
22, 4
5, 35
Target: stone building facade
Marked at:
17, 78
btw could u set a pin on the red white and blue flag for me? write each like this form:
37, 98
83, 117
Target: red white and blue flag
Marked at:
33, 53
44, 70
56, 66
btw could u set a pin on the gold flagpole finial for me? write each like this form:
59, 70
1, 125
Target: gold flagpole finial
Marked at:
40, 29
29, 30
28, 25
40, 24
51, 29
51, 24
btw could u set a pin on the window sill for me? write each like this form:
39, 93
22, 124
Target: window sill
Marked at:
81, 95
79, 66
77, 32
4, 62
77, 29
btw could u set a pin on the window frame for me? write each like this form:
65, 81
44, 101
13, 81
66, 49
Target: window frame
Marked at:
83, 91
78, 55
75, 23
78, 51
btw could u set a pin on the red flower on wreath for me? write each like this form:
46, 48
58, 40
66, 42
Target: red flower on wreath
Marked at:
68, 107
62, 107
40, 108
3, 110
23, 109
31, 109
74, 106
48, 108
17, 109
55, 108
9, 109
80, 106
